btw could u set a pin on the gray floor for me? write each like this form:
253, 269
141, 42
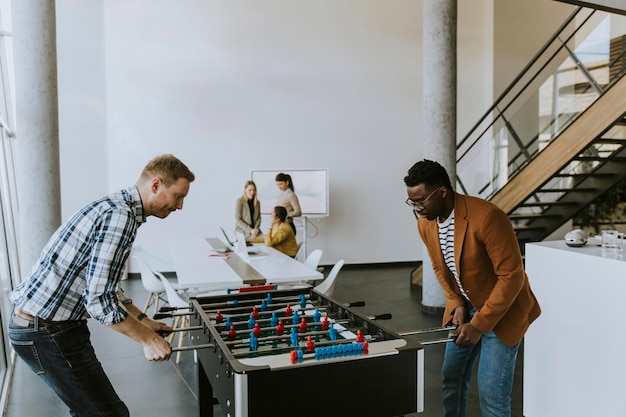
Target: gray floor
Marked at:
169, 390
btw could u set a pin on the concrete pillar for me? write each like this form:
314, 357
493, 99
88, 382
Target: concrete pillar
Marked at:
439, 64
37, 137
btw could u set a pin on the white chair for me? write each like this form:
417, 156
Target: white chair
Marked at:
175, 300
327, 287
313, 260
151, 283
299, 253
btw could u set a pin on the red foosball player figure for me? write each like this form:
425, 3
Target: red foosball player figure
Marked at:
256, 330
218, 317
255, 313
359, 336
288, 311
280, 329
232, 333
325, 323
303, 325
310, 346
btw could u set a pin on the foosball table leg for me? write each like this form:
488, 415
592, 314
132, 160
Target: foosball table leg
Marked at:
205, 393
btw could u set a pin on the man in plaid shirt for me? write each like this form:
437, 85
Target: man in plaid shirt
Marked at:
78, 276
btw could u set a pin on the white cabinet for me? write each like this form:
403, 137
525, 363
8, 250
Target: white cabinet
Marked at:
575, 352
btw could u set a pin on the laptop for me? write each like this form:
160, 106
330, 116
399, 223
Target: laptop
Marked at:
230, 242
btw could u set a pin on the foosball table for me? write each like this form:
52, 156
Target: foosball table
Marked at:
294, 352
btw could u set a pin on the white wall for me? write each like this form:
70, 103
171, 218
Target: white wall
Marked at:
233, 86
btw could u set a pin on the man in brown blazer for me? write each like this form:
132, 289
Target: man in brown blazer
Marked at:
477, 261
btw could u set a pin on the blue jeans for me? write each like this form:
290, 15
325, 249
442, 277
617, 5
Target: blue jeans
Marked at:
62, 355
496, 369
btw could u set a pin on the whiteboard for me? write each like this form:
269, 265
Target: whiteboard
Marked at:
311, 187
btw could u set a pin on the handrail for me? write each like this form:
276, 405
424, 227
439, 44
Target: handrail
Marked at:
522, 73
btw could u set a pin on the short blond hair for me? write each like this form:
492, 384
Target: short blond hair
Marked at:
168, 168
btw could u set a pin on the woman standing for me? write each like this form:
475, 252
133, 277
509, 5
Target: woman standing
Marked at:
248, 212
288, 198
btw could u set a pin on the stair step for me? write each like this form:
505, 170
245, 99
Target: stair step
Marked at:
587, 174
609, 141
532, 216
548, 204
566, 190
599, 158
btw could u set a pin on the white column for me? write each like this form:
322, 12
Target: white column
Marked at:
37, 141
439, 63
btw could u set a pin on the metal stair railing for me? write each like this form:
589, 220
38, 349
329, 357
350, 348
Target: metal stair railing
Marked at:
560, 82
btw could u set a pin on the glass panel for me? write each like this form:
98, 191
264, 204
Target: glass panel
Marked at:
571, 71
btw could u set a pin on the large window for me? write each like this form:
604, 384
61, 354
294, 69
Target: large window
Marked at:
9, 259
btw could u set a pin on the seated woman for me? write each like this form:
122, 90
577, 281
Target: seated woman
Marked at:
280, 236
248, 212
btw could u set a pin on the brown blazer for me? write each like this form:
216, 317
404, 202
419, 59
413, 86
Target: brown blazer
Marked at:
490, 267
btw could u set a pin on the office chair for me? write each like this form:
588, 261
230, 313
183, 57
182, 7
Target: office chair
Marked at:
327, 287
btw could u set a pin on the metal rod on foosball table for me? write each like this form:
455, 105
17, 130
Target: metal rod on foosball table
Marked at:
159, 316
289, 348
182, 348
229, 306
240, 310
431, 330
425, 331
286, 335
246, 303
436, 341
285, 327
187, 329
266, 312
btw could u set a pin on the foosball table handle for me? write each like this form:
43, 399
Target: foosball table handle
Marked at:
355, 304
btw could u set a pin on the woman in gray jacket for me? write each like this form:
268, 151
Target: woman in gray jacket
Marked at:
248, 212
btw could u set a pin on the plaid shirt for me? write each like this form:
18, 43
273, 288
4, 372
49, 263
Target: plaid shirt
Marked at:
78, 272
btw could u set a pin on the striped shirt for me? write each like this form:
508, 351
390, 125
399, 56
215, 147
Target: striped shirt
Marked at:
446, 241
79, 270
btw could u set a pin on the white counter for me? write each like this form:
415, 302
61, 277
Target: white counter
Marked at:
575, 352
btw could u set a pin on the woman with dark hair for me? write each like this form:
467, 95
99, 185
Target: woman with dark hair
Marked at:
248, 212
280, 236
288, 198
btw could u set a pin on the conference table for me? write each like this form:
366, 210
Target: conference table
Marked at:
200, 263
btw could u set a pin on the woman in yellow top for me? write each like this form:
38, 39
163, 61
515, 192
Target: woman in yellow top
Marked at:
280, 236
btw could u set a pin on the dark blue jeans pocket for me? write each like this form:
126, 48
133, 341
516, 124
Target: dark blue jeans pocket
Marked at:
26, 349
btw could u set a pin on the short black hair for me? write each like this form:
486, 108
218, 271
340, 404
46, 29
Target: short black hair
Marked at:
281, 213
429, 173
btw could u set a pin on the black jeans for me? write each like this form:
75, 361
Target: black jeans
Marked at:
62, 355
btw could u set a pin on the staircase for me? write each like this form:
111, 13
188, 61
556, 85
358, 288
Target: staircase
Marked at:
544, 177
584, 161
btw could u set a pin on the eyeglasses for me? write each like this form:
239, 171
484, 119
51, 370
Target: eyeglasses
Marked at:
420, 204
